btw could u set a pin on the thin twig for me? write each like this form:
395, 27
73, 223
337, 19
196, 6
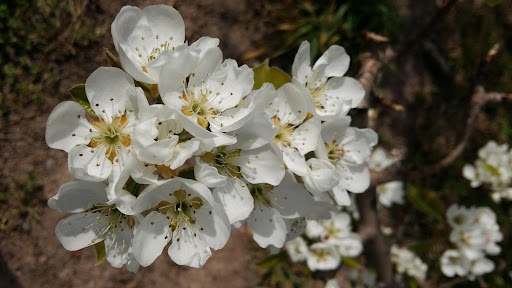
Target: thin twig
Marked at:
478, 100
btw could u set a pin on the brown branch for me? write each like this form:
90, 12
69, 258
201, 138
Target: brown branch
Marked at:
478, 100
453, 282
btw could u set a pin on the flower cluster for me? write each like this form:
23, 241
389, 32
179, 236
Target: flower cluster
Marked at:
327, 242
494, 168
212, 153
406, 261
475, 234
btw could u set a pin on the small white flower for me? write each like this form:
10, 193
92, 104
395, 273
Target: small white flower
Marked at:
297, 249
323, 256
347, 148
143, 38
187, 214
391, 192
272, 205
96, 220
407, 262
454, 263
380, 159
204, 92
98, 147
329, 94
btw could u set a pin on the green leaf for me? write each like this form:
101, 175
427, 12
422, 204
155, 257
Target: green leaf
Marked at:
272, 75
426, 201
78, 93
272, 260
100, 252
492, 3
491, 169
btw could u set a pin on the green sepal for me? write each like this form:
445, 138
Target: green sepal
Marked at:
112, 59
272, 75
101, 254
425, 200
78, 94
187, 173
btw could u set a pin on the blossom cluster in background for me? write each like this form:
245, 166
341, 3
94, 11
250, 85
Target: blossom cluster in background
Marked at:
493, 168
475, 233
407, 262
390, 193
211, 154
327, 242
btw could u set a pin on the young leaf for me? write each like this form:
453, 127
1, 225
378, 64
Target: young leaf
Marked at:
272, 75
78, 93
100, 252
426, 201
272, 260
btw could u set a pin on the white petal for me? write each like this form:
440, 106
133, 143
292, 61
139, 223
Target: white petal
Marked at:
89, 164
219, 139
119, 248
267, 226
340, 195
305, 137
208, 175
67, 126
291, 199
295, 161
235, 198
110, 91
322, 176
160, 151
189, 249
257, 132
172, 75
78, 196
262, 165
229, 84
290, 105
231, 119
151, 237
302, 63
216, 226
209, 61
346, 90
335, 129
80, 230
355, 179
205, 43
166, 22
333, 63
182, 152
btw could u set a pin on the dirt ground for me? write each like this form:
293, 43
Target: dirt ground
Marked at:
30, 254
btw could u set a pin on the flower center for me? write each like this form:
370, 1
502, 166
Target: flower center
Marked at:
111, 136
321, 254
154, 53
114, 220
182, 211
262, 194
198, 107
332, 231
223, 161
284, 134
335, 152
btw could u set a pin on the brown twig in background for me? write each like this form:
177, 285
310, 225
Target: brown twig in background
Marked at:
478, 100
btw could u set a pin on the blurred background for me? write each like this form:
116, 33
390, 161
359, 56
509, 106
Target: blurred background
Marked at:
419, 60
